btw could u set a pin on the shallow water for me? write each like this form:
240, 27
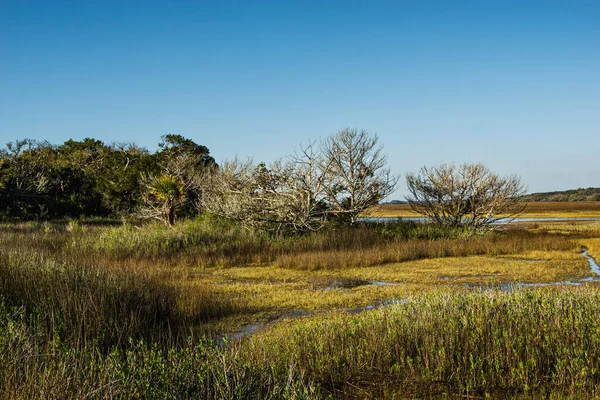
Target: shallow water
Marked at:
499, 221
257, 326
509, 287
346, 283
251, 329
593, 264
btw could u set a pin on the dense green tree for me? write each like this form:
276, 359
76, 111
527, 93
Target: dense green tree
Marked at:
173, 146
120, 179
29, 179
89, 177
188, 161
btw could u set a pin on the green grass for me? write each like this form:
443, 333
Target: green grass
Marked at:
490, 342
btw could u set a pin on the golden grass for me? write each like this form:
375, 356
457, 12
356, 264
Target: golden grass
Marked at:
288, 277
593, 246
565, 207
392, 210
493, 244
267, 290
555, 209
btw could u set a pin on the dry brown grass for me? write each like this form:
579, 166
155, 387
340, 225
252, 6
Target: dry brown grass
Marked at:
563, 207
556, 209
493, 244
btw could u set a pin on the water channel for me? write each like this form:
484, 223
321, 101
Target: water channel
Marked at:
348, 284
499, 221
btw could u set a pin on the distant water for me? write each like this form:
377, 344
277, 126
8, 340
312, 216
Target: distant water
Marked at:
499, 221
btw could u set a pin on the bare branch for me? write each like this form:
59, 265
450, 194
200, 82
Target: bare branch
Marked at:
469, 195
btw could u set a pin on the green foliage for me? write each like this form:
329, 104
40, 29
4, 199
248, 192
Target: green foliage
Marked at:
172, 146
167, 188
470, 343
81, 178
208, 238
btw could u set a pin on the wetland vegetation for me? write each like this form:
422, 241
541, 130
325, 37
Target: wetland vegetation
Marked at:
97, 310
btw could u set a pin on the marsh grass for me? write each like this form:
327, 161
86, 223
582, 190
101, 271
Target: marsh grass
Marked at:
82, 306
211, 242
482, 343
541, 209
537, 343
91, 311
34, 367
394, 251
83, 300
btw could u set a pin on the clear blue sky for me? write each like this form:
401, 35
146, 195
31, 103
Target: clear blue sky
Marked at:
515, 85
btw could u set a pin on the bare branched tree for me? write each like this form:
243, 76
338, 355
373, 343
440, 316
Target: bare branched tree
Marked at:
342, 176
357, 177
227, 191
281, 196
307, 172
469, 195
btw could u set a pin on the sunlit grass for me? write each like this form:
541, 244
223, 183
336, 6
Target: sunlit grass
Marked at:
79, 298
484, 344
579, 209
267, 290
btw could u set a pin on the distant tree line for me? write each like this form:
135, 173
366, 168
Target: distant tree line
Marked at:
589, 194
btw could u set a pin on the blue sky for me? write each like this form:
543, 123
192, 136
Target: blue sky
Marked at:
515, 85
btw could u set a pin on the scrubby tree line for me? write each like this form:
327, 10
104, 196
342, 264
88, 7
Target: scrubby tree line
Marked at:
334, 180
84, 178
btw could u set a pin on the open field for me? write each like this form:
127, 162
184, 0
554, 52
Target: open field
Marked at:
554, 209
208, 309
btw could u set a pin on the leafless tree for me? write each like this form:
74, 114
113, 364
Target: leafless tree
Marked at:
227, 190
342, 176
307, 174
280, 196
469, 195
357, 177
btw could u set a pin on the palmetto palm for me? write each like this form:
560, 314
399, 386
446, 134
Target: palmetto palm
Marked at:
165, 194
